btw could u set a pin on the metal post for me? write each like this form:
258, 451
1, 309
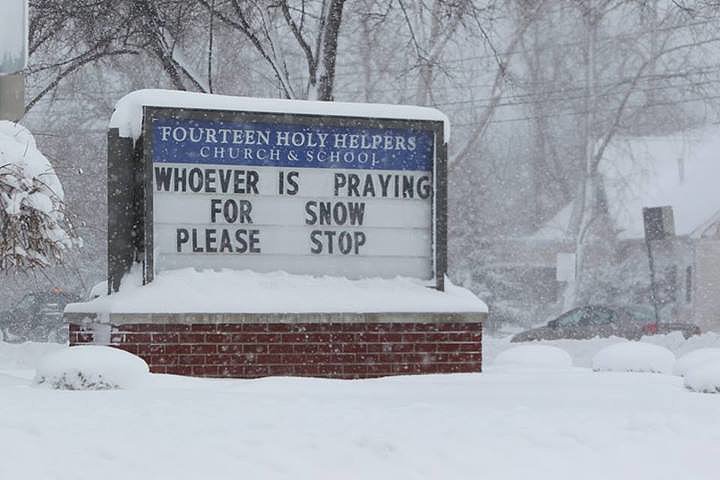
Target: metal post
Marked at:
12, 97
122, 215
441, 213
653, 284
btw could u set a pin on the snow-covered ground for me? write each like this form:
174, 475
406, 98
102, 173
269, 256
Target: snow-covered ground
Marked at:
559, 423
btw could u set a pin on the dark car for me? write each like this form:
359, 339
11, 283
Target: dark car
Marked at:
604, 321
36, 317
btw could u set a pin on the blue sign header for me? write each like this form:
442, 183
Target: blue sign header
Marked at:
290, 145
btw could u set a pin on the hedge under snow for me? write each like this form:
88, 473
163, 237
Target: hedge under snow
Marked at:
534, 356
33, 226
90, 367
634, 357
704, 378
696, 358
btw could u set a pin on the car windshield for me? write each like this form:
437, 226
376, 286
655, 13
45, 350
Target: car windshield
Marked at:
641, 314
599, 316
571, 318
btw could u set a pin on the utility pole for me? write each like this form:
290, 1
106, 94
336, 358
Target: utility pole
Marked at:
13, 58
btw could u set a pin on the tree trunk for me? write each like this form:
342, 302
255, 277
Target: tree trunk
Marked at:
425, 78
584, 210
328, 53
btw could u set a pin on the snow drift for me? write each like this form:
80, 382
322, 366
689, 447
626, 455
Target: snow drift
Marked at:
534, 356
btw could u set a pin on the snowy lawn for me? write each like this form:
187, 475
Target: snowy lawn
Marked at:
558, 424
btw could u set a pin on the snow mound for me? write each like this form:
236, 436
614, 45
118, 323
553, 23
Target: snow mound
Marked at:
583, 351
704, 378
634, 357
91, 367
534, 356
695, 359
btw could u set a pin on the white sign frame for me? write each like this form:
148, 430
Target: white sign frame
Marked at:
436, 228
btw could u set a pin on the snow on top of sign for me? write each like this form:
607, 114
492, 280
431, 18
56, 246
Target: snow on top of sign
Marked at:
231, 291
127, 117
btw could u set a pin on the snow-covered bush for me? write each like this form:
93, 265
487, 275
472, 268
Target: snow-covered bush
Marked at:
696, 358
90, 367
533, 356
33, 226
704, 378
634, 357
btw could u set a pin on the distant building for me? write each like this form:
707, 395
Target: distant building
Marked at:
682, 171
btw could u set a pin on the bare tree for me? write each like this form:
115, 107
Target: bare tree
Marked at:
60, 45
646, 55
313, 25
529, 13
431, 28
67, 36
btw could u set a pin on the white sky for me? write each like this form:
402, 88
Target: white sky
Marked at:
12, 31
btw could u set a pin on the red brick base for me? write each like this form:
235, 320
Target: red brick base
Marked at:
333, 350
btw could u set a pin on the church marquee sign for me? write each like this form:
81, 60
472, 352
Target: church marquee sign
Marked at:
307, 194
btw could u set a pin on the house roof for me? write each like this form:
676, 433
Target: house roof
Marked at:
681, 170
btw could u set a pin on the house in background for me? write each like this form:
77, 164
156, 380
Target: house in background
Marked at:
682, 171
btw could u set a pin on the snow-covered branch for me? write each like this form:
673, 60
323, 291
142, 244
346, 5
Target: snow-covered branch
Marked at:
33, 226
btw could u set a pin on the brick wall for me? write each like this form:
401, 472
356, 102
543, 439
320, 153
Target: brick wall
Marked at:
334, 350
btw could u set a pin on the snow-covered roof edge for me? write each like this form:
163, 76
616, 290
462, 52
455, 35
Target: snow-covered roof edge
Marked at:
678, 170
700, 231
127, 117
